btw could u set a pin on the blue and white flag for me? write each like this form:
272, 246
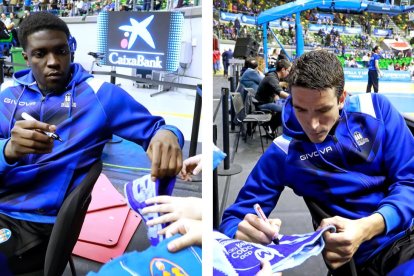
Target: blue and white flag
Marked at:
236, 257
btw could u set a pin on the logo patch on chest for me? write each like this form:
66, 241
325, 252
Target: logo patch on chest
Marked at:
67, 101
360, 139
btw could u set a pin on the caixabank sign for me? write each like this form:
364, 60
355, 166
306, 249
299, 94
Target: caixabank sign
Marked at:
148, 40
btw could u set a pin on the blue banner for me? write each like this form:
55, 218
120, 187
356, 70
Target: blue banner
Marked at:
382, 32
355, 30
352, 74
245, 19
327, 28
323, 15
275, 24
248, 19
228, 16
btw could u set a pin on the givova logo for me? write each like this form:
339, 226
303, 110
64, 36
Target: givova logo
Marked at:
137, 29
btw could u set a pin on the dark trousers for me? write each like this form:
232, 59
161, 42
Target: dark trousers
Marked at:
396, 254
372, 80
226, 68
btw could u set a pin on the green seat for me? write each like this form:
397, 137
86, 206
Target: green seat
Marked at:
18, 59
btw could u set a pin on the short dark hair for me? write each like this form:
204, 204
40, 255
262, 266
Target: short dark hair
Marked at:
375, 48
317, 70
250, 63
282, 64
40, 21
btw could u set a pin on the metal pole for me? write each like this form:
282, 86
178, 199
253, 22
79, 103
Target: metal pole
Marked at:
232, 112
1, 70
216, 219
113, 78
225, 113
235, 168
196, 122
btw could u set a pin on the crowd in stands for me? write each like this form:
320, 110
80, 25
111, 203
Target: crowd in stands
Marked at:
353, 49
82, 7
250, 7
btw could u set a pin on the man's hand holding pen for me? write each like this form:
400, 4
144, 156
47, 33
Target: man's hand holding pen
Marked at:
255, 229
28, 137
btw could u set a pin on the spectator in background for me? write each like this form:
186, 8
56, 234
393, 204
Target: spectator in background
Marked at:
5, 19
353, 63
237, 26
366, 58
274, 57
4, 34
251, 76
110, 6
216, 60
270, 91
226, 56
397, 66
27, 5
25, 16
373, 70
14, 21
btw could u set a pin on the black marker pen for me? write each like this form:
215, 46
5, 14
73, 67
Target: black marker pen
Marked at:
49, 134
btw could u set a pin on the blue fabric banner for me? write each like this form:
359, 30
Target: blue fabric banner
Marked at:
362, 75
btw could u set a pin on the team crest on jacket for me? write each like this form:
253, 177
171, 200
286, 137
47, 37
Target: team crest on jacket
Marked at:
5, 235
360, 139
66, 102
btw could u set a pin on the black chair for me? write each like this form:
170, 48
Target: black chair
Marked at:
318, 214
247, 114
67, 227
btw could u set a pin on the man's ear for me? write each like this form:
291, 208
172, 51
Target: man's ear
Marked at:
25, 58
342, 100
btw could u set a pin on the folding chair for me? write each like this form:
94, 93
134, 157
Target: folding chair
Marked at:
318, 214
68, 225
246, 114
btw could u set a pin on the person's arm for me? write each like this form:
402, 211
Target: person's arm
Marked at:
173, 208
396, 208
275, 87
350, 234
26, 138
129, 119
395, 211
284, 95
264, 185
192, 231
191, 166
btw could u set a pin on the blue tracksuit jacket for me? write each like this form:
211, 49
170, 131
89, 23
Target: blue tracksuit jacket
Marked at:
367, 166
86, 116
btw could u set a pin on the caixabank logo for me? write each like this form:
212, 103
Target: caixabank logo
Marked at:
149, 40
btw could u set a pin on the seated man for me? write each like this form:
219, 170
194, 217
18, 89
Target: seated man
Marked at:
353, 156
251, 76
37, 172
4, 33
270, 90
